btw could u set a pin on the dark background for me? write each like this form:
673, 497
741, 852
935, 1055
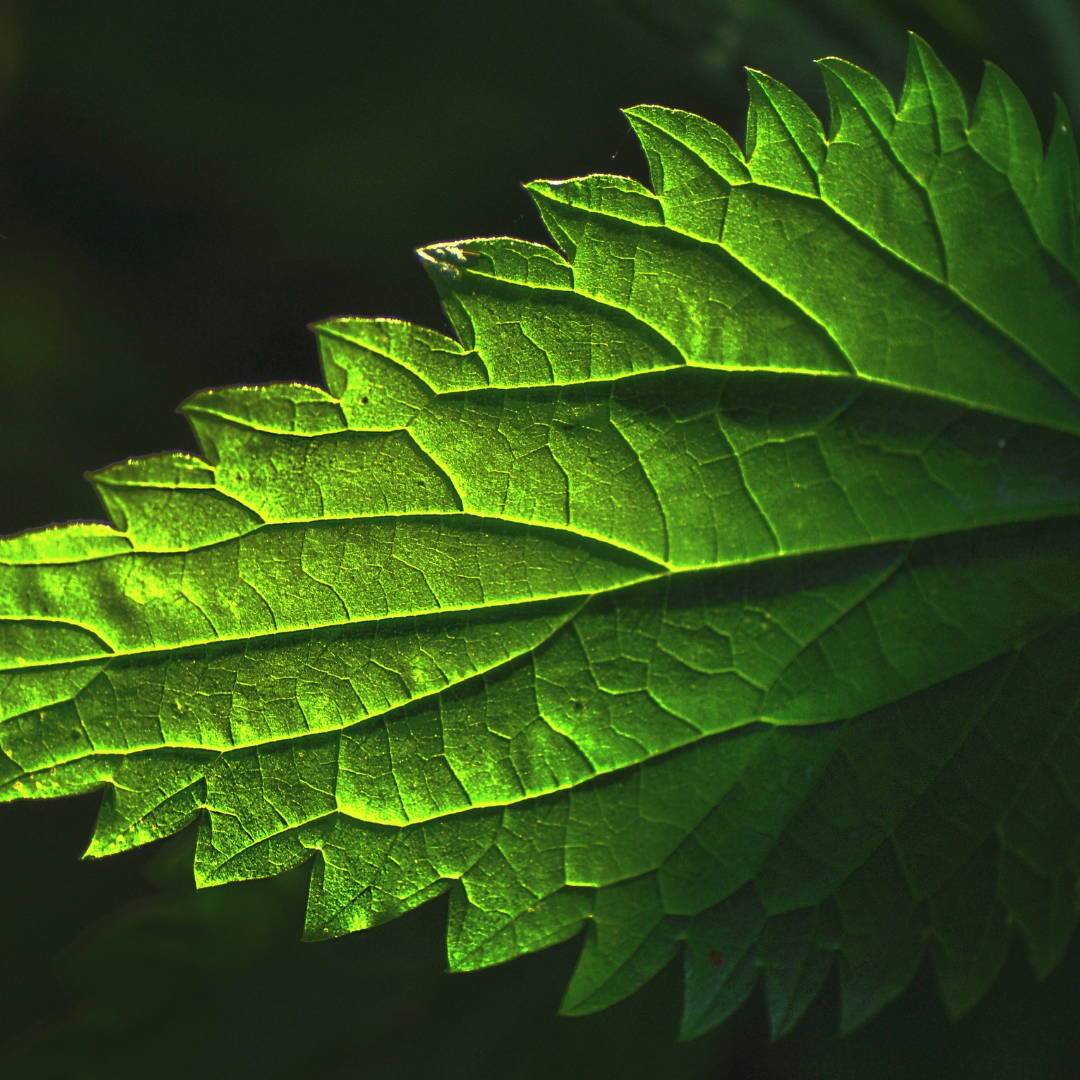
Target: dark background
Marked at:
184, 186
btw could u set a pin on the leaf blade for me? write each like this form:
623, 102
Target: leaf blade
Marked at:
606, 613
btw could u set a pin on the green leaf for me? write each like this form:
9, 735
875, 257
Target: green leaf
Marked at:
715, 590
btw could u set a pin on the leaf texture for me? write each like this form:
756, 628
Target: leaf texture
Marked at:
714, 589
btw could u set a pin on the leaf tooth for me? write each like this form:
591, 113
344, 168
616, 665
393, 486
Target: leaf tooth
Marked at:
1041, 903
501, 257
175, 469
706, 141
1055, 206
606, 193
384, 371
692, 167
168, 502
971, 936
895, 210
785, 145
466, 273
512, 922
72, 541
223, 419
367, 874
566, 205
511, 895
932, 119
516, 303
856, 98
628, 940
1005, 133
720, 961
883, 938
797, 951
145, 799
283, 408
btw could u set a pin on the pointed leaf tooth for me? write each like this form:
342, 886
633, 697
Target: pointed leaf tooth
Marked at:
322, 908
684, 290
282, 408
1055, 206
610, 224
265, 856
931, 90
243, 838
463, 269
501, 258
1005, 133
628, 941
1045, 908
566, 206
895, 209
367, 874
857, 99
384, 370
796, 953
321, 469
709, 143
72, 541
932, 119
692, 167
882, 938
515, 303
604, 193
222, 418
173, 469
720, 961
512, 897
785, 146
145, 801
479, 937
340, 902
168, 502
970, 934
1037, 877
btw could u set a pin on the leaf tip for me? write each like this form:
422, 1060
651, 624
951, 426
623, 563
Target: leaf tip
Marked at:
541, 186
1062, 117
917, 44
650, 113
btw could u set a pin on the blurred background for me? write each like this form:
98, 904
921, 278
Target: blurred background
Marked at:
185, 185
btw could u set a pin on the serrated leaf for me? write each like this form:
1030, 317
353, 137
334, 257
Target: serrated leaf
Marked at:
715, 590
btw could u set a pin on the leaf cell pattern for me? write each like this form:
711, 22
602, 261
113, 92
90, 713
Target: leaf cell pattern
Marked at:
714, 589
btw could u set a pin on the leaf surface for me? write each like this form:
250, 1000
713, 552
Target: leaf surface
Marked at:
714, 589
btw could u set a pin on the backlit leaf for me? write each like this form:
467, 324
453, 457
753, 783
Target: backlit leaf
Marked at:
714, 590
